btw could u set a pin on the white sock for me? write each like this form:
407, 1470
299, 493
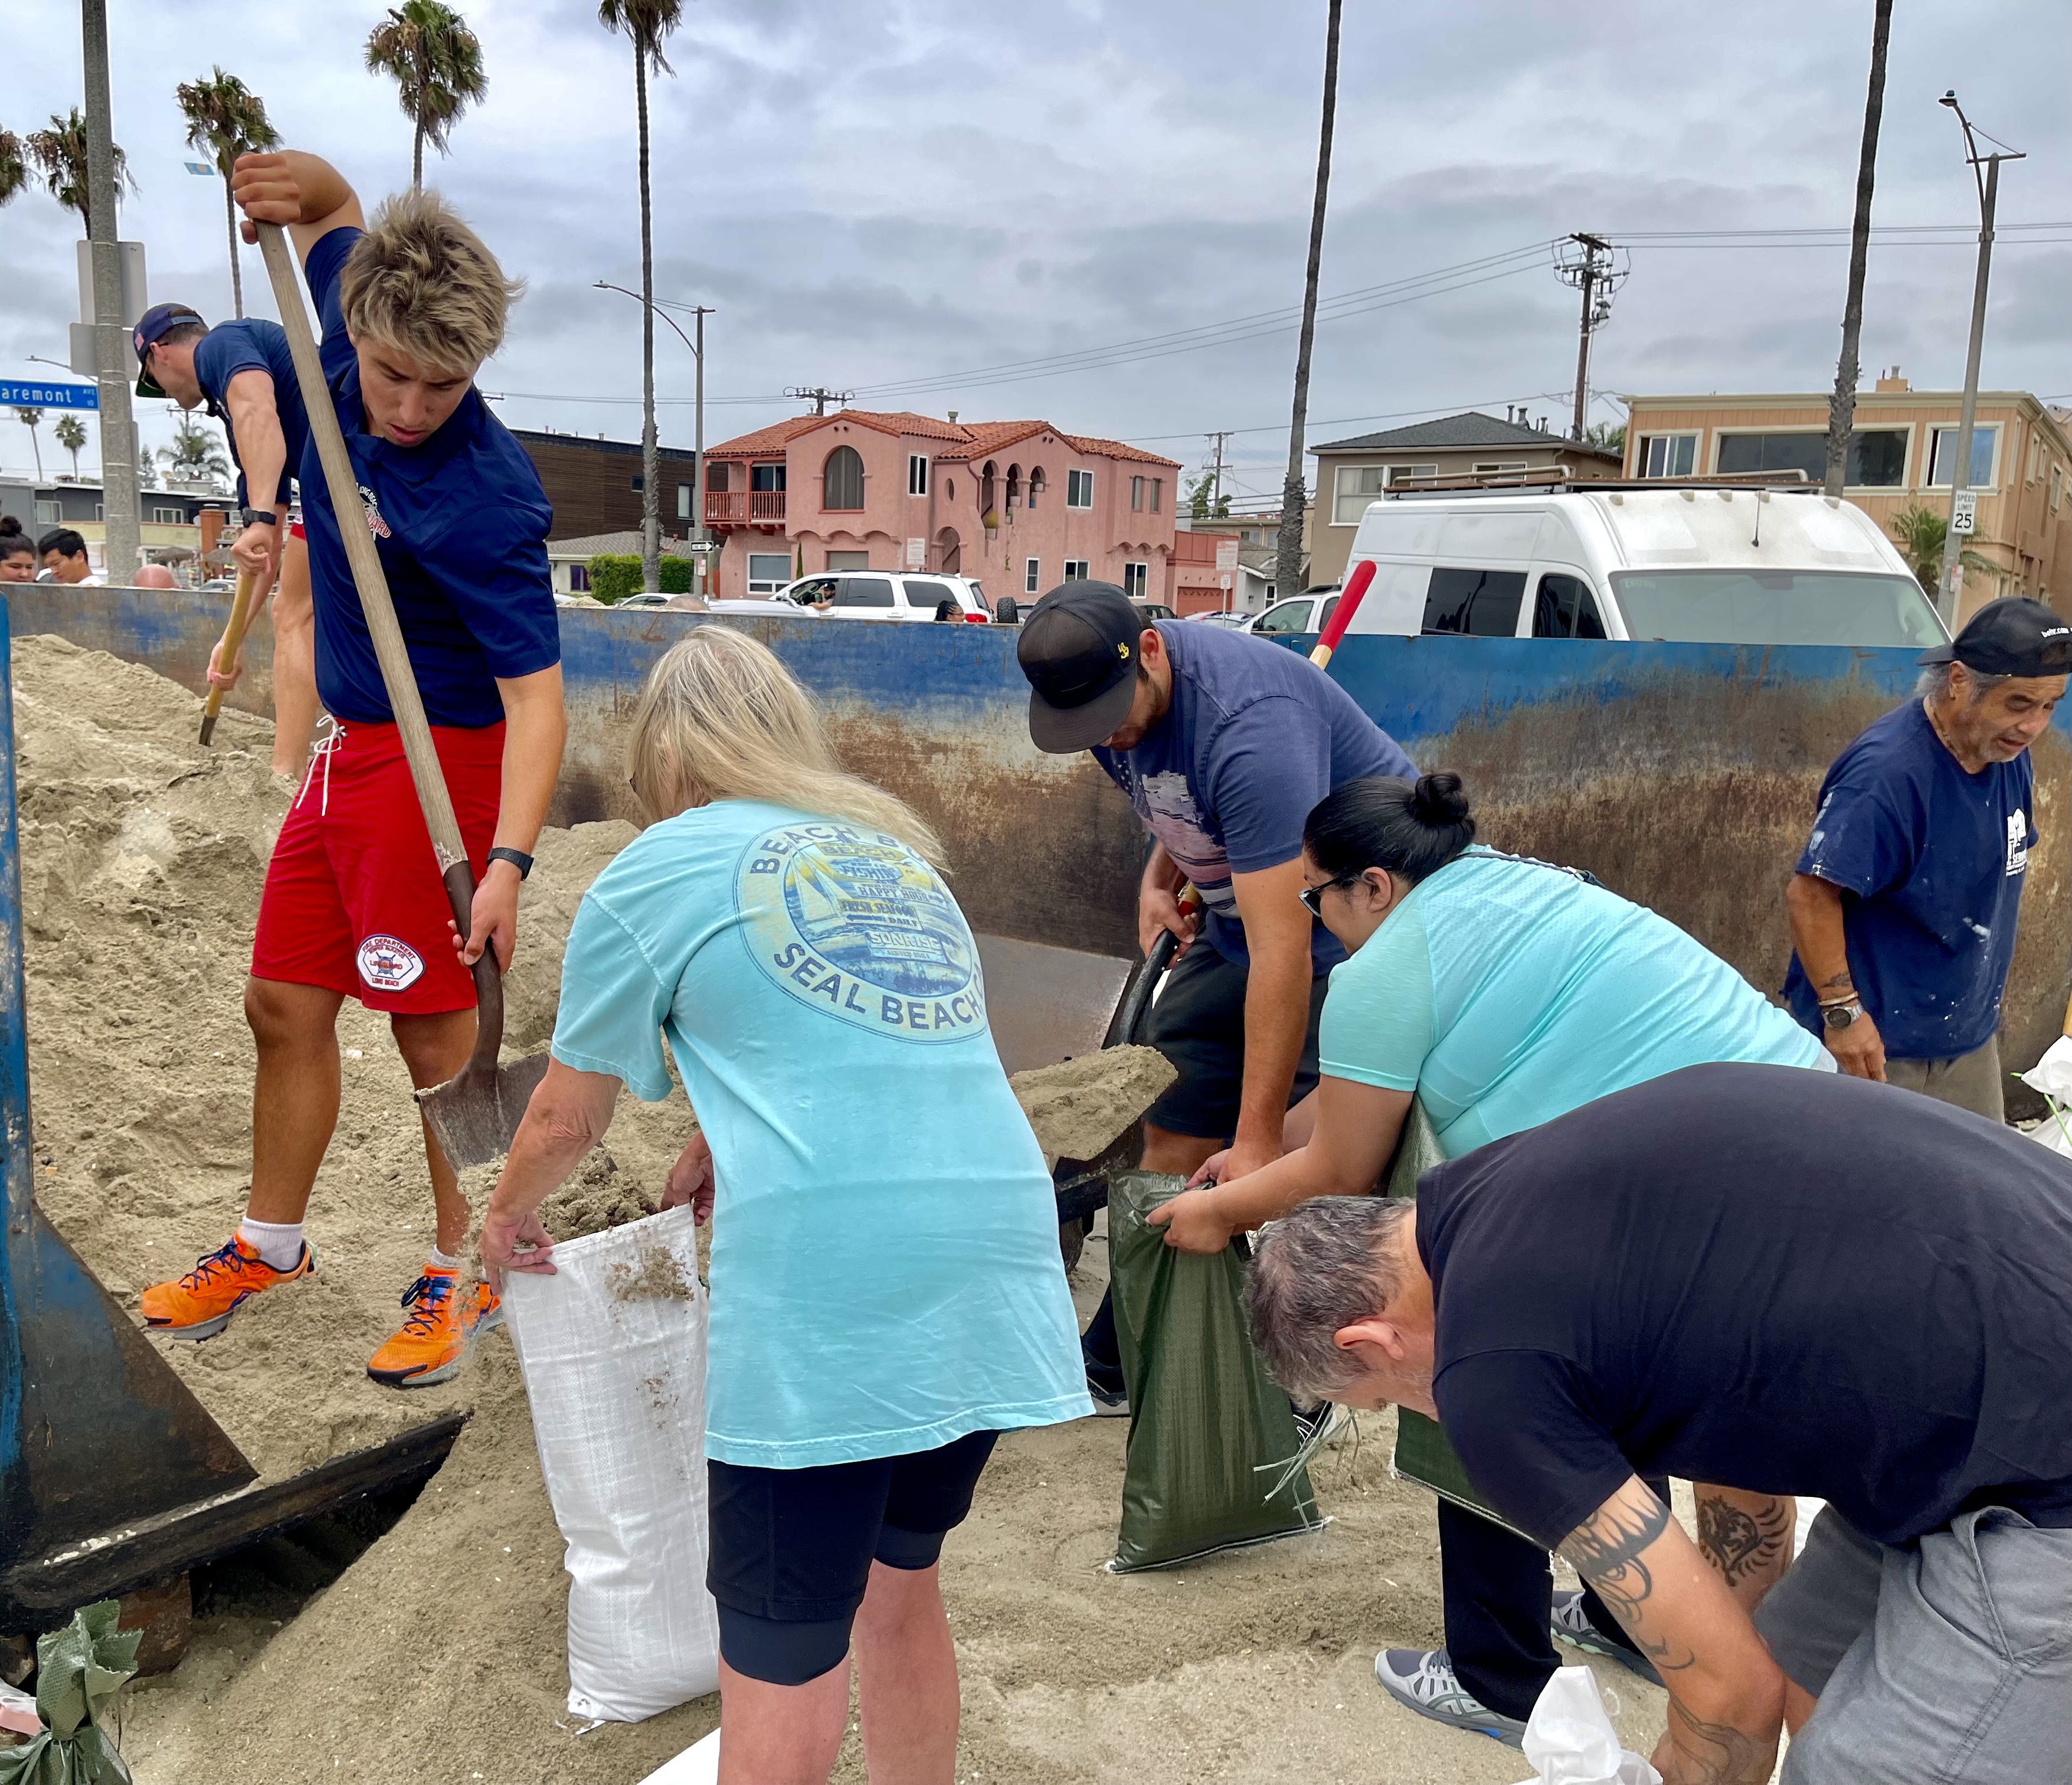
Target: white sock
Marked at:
443, 1261
279, 1243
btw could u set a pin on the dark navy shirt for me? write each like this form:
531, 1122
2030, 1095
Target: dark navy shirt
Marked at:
1255, 737
1930, 860
254, 344
461, 523
1786, 1281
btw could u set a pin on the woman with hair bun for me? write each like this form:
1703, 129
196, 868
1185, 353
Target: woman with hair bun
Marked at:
1502, 992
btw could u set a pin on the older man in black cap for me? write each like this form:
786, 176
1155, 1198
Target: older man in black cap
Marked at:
1904, 904
1223, 742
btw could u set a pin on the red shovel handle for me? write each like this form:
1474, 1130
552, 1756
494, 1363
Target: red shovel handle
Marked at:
1341, 617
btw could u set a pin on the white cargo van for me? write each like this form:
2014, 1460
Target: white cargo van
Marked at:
1694, 563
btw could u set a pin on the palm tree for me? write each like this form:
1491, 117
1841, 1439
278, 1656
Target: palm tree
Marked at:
14, 165
1842, 410
70, 434
1921, 533
196, 454
31, 419
59, 153
1287, 567
648, 23
436, 63
226, 119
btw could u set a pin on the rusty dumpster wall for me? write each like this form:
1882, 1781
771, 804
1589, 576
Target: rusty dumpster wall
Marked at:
1683, 775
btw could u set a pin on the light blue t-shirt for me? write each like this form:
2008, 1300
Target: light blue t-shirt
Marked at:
1505, 992
884, 1269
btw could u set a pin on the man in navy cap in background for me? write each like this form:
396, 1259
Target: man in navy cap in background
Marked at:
1904, 904
241, 372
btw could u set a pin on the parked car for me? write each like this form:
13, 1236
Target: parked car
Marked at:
1303, 613
1697, 563
1231, 622
647, 597
872, 595
1151, 610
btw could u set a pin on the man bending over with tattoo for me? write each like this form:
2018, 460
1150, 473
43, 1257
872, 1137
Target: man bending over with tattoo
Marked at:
1787, 1283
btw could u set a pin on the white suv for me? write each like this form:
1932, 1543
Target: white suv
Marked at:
876, 594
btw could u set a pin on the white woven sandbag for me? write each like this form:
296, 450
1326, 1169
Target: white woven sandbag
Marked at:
613, 1348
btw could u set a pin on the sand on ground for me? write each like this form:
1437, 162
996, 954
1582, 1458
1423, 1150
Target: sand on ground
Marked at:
438, 1655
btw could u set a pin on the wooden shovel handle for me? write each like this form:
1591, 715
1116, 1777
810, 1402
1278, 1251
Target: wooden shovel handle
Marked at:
390, 652
233, 642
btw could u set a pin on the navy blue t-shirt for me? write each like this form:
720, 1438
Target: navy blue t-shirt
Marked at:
461, 523
254, 344
1930, 860
1255, 737
1786, 1281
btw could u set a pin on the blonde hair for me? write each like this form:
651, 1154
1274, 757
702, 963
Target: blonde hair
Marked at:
721, 718
420, 282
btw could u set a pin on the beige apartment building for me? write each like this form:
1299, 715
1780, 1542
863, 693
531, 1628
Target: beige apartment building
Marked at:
1901, 447
1351, 474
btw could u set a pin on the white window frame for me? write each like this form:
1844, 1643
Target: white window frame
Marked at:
169, 518
763, 585
683, 502
1079, 489
50, 512
1649, 441
1136, 494
1138, 575
1407, 473
917, 473
1497, 467
1078, 570
1341, 495
1937, 430
1032, 578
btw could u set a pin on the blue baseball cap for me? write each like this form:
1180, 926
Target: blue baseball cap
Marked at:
152, 326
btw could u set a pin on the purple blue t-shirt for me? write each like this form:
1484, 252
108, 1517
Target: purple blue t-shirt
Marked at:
460, 524
254, 344
1931, 860
1255, 737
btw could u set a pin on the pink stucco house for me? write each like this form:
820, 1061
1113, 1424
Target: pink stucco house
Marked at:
1022, 505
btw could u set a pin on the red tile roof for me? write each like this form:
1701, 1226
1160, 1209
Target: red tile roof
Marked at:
975, 440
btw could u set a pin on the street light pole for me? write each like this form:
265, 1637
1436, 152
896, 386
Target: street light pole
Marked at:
697, 347
121, 539
1988, 187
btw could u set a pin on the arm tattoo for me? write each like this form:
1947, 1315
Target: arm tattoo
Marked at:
1738, 1544
1606, 1552
1716, 1753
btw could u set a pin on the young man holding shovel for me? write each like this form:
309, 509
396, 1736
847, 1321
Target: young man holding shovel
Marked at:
354, 906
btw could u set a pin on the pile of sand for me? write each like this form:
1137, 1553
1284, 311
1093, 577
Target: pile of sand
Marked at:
1079, 1107
437, 1656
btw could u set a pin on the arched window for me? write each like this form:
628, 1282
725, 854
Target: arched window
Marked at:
841, 480
1014, 485
1037, 486
986, 495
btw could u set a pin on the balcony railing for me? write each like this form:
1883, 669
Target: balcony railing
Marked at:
743, 507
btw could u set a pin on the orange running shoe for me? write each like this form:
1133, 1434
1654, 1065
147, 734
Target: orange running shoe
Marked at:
199, 1305
441, 1330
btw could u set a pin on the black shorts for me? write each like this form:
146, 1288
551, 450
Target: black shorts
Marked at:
1198, 1023
792, 1548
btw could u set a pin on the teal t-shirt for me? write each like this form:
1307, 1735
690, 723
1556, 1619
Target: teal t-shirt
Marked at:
1505, 992
884, 1268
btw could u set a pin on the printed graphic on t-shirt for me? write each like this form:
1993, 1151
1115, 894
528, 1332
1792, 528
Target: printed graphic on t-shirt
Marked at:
389, 964
2017, 852
852, 921
1166, 805
375, 524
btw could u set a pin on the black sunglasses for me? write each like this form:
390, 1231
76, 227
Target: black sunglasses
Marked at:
1313, 897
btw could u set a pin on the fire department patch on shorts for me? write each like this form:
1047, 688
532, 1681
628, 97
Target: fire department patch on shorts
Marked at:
389, 964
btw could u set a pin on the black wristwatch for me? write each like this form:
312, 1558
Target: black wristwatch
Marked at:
518, 859
1840, 1016
258, 517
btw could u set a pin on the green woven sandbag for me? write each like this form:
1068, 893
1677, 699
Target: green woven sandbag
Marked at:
81, 1669
1422, 1452
1212, 1441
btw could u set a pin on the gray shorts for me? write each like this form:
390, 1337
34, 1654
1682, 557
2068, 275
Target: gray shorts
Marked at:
1947, 1662
1971, 1081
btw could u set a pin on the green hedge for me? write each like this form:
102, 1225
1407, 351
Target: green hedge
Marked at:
614, 577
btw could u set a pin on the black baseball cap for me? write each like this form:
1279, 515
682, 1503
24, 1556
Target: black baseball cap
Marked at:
159, 320
2013, 637
1078, 649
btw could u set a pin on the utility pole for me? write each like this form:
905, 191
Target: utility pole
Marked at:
1216, 473
1842, 411
1952, 590
698, 536
819, 397
121, 538
1595, 273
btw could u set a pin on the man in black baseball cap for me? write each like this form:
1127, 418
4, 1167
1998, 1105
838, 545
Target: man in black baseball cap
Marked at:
1903, 904
1223, 742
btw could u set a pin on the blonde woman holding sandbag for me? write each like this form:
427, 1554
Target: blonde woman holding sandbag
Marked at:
886, 1294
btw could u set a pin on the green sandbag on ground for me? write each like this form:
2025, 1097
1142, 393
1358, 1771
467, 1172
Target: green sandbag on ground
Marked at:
1212, 1441
81, 1670
1423, 1454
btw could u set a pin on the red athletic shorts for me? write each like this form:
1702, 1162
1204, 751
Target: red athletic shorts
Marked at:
353, 901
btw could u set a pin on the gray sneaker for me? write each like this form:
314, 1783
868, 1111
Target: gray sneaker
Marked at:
1424, 1681
1570, 1624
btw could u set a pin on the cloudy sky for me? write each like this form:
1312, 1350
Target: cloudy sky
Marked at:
1094, 211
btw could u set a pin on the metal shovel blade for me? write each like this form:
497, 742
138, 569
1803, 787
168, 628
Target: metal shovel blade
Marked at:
475, 1116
